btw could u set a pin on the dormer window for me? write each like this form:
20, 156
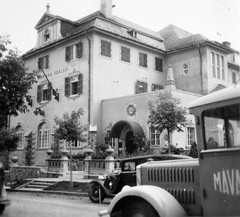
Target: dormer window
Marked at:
46, 35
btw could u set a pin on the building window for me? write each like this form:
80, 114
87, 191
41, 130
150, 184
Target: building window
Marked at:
154, 137
43, 62
46, 35
190, 135
233, 58
143, 60
156, 87
43, 92
43, 136
185, 69
73, 52
75, 144
112, 142
158, 64
105, 48
73, 85
217, 66
213, 64
125, 54
141, 87
20, 133
222, 68
234, 78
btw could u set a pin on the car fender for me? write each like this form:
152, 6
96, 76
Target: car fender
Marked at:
161, 200
101, 183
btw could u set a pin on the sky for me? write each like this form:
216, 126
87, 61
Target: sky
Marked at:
218, 20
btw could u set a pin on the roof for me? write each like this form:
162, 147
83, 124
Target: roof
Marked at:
229, 93
175, 37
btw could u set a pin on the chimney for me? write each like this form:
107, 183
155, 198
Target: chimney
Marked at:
106, 8
226, 43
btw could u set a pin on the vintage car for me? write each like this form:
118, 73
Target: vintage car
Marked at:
111, 184
4, 201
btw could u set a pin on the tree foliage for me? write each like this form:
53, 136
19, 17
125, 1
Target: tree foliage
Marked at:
166, 113
8, 140
69, 127
15, 82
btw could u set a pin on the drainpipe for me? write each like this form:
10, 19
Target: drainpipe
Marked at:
201, 74
89, 85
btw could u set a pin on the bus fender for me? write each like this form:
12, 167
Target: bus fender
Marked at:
161, 200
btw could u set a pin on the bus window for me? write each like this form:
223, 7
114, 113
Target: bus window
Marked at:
222, 127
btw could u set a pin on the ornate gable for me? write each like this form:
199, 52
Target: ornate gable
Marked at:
45, 19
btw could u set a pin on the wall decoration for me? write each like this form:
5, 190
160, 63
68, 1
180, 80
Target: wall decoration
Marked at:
131, 109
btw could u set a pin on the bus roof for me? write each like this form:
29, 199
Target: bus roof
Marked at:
221, 95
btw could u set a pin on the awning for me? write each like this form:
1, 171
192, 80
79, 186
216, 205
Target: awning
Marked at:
117, 128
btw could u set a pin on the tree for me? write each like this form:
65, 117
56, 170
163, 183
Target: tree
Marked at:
70, 129
15, 82
8, 140
166, 113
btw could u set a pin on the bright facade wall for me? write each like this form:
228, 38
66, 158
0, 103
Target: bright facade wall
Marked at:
112, 77
115, 110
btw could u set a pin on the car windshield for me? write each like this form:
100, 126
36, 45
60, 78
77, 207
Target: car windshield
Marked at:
129, 166
222, 127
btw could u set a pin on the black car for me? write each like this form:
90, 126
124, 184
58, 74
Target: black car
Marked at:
111, 184
4, 201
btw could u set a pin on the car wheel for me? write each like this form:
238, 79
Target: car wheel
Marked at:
139, 208
94, 193
2, 207
111, 184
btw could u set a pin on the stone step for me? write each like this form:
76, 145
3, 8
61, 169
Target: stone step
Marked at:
36, 186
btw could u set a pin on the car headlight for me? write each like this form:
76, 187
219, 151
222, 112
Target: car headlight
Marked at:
102, 177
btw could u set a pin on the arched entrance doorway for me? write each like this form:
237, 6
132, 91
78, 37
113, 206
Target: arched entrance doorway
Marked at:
125, 132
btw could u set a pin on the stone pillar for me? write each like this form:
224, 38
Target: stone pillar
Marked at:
170, 82
109, 161
87, 162
64, 162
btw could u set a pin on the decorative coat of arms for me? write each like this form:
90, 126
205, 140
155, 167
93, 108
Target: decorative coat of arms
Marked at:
131, 109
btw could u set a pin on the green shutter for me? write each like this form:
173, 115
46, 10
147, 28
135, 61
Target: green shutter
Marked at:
39, 93
80, 84
67, 86
79, 50
49, 90
145, 85
47, 62
67, 54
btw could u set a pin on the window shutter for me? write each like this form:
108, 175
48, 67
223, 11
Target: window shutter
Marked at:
108, 49
79, 84
47, 62
79, 50
145, 60
145, 85
67, 55
161, 65
40, 63
137, 87
67, 86
39, 93
49, 92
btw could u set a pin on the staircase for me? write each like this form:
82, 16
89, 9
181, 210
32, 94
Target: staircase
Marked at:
37, 184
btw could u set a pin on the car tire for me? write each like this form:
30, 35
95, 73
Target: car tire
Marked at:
111, 184
138, 207
94, 193
2, 208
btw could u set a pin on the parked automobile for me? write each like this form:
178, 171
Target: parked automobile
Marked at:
4, 201
111, 184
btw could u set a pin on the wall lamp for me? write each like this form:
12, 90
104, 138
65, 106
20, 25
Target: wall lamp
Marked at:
39, 111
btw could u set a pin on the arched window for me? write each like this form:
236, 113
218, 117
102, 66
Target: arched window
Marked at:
185, 69
43, 136
20, 133
46, 35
